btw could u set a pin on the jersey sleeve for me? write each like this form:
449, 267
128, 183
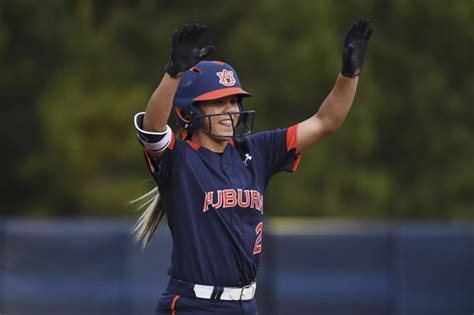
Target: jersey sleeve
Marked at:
161, 167
153, 142
164, 167
277, 149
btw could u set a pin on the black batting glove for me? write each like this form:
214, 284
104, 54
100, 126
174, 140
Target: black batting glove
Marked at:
184, 52
355, 45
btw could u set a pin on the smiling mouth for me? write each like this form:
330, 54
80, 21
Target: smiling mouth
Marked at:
226, 123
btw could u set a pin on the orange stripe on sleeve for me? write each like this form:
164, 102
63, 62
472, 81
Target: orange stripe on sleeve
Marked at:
292, 143
171, 145
292, 137
173, 305
296, 162
148, 160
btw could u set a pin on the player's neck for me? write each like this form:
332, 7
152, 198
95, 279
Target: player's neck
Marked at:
210, 143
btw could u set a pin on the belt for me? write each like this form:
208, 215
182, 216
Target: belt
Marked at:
210, 292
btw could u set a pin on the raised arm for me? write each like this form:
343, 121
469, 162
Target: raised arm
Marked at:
152, 128
159, 106
335, 107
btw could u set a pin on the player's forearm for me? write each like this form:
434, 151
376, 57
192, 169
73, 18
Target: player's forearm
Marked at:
334, 109
330, 115
159, 106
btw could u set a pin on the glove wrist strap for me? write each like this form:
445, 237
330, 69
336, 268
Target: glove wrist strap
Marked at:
350, 74
175, 74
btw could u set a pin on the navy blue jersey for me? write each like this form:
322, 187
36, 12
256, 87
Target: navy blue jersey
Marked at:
214, 203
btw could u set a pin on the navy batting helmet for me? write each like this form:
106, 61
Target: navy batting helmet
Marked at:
209, 80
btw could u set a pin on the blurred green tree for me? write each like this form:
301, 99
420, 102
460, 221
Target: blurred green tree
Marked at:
75, 73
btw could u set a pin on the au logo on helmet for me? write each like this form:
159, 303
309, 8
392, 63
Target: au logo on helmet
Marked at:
226, 77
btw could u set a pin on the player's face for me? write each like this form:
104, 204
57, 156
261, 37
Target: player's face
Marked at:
226, 110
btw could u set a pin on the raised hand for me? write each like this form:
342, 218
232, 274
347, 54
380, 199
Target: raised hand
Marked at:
184, 50
355, 44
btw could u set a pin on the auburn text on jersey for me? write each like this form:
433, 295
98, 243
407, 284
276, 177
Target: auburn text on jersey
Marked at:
229, 198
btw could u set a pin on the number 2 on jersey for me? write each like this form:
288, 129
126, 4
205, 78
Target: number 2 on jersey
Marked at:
258, 242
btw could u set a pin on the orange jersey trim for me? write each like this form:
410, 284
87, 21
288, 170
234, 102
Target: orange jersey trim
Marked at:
173, 304
171, 145
292, 143
193, 145
148, 161
296, 162
292, 137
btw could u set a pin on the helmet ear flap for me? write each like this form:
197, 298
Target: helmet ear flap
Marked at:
185, 118
184, 134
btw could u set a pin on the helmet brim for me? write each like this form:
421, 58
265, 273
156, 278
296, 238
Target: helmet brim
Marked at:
221, 93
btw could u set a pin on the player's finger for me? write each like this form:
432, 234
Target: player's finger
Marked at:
186, 28
175, 38
361, 25
369, 32
202, 29
184, 34
364, 25
352, 30
194, 32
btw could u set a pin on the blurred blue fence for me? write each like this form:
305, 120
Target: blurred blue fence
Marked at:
91, 266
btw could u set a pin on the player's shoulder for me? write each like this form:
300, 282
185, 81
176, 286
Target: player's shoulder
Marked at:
266, 135
175, 148
262, 140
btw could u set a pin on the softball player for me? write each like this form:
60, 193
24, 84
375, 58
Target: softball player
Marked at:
212, 175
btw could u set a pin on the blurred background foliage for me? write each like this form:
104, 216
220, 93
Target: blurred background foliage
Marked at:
75, 72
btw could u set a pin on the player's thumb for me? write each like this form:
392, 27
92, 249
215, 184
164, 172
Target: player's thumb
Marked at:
206, 51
